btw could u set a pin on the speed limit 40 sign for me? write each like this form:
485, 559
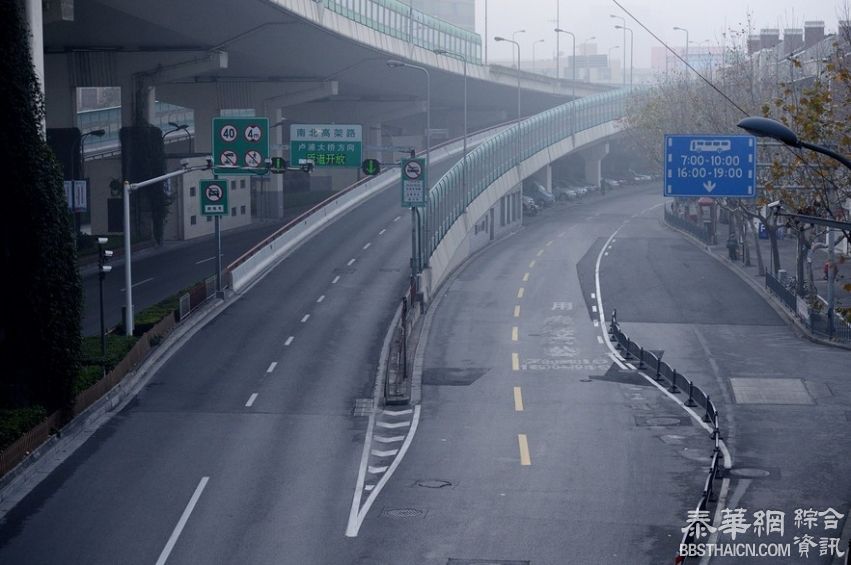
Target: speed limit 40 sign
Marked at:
214, 197
240, 145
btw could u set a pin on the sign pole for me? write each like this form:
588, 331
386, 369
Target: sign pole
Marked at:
219, 293
128, 287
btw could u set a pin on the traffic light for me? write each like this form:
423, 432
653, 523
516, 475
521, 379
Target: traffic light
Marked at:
103, 256
278, 165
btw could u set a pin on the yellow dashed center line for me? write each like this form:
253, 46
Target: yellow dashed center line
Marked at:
526, 277
532, 264
517, 311
515, 362
514, 333
518, 399
524, 449
520, 292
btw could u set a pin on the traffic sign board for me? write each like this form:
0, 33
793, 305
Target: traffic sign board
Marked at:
371, 167
214, 197
414, 183
327, 145
240, 145
716, 166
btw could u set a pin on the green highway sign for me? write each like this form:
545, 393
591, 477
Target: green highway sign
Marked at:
240, 145
327, 145
414, 183
214, 197
371, 167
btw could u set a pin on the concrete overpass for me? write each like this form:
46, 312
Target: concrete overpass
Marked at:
294, 60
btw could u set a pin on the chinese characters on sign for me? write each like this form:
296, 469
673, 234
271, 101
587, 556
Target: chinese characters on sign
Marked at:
812, 532
327, 145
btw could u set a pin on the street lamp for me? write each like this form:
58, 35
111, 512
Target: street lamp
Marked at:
416, 260
587, 60
464, 166
103, 256
686, 32
78, 153
180, 127
558, 30
623, 23
533, 52
630, 50
514, 38
498, 38
766, 127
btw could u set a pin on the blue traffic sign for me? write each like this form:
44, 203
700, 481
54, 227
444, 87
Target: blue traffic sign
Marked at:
710, 165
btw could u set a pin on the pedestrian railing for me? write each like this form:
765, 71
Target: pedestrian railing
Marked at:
461, 184
675, 383
402, 21
783, 294
815, 320
697, 231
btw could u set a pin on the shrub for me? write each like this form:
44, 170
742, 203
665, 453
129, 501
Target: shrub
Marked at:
16, 422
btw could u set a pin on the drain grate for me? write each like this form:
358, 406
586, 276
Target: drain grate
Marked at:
403, 513
434, 483
484, 562
363, 407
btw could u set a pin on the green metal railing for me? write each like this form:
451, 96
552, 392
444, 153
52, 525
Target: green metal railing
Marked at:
402, 21
449, 197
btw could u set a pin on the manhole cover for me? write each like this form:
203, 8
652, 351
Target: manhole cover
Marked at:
662, 421
403, 513
433, 483
750, 473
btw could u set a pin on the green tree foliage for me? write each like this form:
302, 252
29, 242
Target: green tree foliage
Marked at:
41, 300
143, 157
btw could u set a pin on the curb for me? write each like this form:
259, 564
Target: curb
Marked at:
21, 480
792, 321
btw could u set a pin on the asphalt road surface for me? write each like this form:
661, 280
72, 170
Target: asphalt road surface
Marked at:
532, 446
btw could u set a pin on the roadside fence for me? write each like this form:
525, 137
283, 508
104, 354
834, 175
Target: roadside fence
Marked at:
814, 319
697, 231
660, 371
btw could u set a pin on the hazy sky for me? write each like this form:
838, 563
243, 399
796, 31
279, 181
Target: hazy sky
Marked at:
704, 19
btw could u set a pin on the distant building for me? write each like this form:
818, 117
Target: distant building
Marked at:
461, 13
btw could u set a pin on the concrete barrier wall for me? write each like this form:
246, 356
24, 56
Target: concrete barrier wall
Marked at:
455, 247
275, 250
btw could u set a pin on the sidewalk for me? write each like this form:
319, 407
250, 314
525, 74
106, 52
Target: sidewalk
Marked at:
747, 267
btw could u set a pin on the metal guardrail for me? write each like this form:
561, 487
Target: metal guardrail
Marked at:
697, 231
815, 320
786, 296
676, 383
402, 21
451, 195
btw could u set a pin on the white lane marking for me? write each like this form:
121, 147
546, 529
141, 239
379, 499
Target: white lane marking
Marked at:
306, 318
368, 488
351, 262
289, 340
396, 219
139, 283
382, 231
356, 517
562, 234
251, 400
182, 522
593, 308
596, 323
272, 366
320, 299
593, 295
617, 358
606, 253
392, 425
600, 339
550, 242
386, 439
397, 412
365, 247
205, 260
377, 470
388, 453
336, 279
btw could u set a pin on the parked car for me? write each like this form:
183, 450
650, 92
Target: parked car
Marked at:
529, 206
542, 197
564, 191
